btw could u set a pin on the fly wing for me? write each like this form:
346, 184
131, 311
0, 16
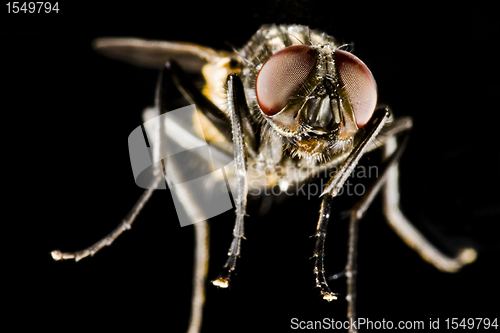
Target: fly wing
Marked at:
154, 54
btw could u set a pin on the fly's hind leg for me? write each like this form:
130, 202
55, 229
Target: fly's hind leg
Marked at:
357, 213
156, 180
125, 224
412, 237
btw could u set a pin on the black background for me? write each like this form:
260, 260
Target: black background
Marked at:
67, 116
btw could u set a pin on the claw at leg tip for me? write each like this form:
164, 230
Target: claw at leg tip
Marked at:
468, 255
330, 297
56, 255
221, 283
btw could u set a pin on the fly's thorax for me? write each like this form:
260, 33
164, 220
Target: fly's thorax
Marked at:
208, 131
215, 75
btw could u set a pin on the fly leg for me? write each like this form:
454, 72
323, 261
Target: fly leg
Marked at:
244, 142
388, 179
238, 124
319, 249
332, 189
201, 229
177, 134
243, 139
357, 213
126, 223
410, 235
237, 107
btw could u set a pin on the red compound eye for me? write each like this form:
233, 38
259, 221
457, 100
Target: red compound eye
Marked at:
282, 75
359, 85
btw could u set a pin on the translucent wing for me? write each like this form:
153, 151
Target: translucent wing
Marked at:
154, 54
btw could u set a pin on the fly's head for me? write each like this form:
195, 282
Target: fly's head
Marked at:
315, 95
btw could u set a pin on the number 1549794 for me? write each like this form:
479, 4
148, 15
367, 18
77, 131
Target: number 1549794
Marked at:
32, 7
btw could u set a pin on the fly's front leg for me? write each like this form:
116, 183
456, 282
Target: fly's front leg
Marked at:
238, 125
332, 189
319, 249
237, 107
